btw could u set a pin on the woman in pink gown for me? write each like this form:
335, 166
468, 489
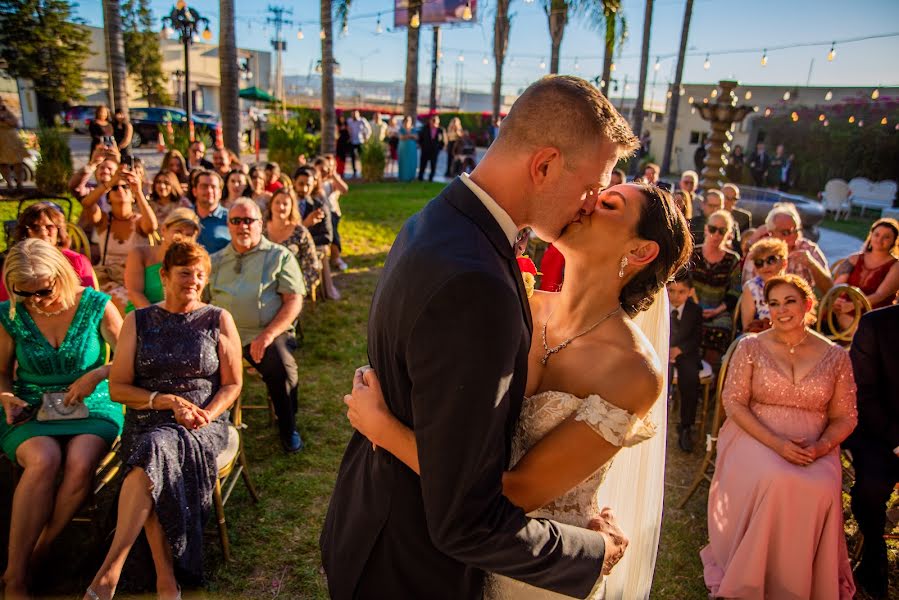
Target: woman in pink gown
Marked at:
775, 513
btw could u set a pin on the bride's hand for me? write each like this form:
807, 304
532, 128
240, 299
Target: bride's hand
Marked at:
615, 540
366, 408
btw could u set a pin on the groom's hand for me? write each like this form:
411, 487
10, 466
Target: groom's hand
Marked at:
615, 540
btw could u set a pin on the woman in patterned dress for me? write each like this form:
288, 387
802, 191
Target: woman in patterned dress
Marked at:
284, 225
769, 256
178, 370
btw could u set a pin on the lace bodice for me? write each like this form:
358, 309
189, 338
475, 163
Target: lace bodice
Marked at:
543, 412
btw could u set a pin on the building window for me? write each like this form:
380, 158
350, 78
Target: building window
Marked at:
698, 137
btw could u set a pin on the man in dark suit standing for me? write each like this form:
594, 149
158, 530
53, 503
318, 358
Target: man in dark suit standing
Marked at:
758, 165
683, 356
875, 441
449, 334
431, 141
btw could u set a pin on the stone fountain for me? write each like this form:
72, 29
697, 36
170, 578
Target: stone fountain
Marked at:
721, 114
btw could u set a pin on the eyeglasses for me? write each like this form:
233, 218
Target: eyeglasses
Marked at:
243, 220
44, 293
713, 230
786, 232
40, 227
770, 261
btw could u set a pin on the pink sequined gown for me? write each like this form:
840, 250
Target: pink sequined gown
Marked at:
775, 528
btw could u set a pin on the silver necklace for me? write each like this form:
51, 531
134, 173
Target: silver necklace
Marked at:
547, 351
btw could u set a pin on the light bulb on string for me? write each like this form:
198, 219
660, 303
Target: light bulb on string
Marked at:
826, 123
833, 53
707, 64
668, 95
577, 65
379, 29
682, 91
821, 117
883, 121
767, 112
764, 58
466, 12
602, 84
612, 68
461, 57
861, 123
875, 94
180, 4
415, 21
795, 116
748, 95
786, 96
658, 65
690, 100
321, 34
693, 111
300, 33
714, 93
207, 34
345, 31
852, 118
542, 64
485, 60
828, 96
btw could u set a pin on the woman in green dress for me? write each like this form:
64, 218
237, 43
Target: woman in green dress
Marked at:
144, 262
53, 338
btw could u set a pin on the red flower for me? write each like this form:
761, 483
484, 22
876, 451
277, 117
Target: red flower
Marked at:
526, 265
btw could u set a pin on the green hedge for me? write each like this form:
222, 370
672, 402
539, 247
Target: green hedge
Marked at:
287, 139
54, 168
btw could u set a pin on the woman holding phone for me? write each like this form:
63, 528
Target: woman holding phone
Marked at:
101, 130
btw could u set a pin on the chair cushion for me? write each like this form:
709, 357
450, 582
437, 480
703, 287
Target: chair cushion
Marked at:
706, 371
227, 456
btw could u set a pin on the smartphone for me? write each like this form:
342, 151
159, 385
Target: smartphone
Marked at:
25, 414
128, 162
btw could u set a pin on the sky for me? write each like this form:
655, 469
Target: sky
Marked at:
717, 27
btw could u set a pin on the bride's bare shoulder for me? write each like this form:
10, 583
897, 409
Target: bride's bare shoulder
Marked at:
541, 304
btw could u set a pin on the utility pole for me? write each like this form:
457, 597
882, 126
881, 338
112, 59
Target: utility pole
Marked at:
435, 62
278, 19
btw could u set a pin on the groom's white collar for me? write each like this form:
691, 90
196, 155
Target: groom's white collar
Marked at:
496, 211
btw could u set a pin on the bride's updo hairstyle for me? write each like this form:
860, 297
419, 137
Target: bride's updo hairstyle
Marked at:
661, 222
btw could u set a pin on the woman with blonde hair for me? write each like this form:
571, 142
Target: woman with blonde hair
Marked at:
769, 256
453, 135
56, 412
284, 225
174, 161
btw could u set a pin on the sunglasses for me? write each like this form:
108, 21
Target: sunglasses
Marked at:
770, 261
44, 293
117, 187
242, 220
41, 227
713, 230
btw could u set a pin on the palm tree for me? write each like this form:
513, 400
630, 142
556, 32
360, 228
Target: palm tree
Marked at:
675, 91
615, 32
557, 15
644, 64
328, 110
228, 72
410, 94
501, 26
115, 48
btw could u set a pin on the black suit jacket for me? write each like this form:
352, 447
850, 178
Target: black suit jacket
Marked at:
449, 334
686, 334
876, 367
759, 163
430, 145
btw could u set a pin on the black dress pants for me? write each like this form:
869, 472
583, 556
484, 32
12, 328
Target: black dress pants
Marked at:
876, 472
280, 373
427, 157
687, 367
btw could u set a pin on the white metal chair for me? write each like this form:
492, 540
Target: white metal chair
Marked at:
835, 198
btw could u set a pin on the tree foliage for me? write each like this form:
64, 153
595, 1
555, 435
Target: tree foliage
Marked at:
40, 40
142, 53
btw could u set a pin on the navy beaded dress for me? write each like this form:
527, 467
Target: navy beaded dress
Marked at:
177, 353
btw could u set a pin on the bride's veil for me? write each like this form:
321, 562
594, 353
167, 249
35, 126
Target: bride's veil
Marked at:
634, 485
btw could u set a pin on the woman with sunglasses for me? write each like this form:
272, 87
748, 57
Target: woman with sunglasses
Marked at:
46, 222
167, 194
53, 336
769, 256
119, 231
716, 271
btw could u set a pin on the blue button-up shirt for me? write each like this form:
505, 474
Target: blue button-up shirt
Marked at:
214, 234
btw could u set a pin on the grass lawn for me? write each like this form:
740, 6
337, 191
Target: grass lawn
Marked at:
855, 225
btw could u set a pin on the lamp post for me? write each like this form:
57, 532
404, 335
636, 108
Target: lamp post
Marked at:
185, 21
721, 115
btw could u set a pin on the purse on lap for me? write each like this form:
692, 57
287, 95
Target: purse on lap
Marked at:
54, 409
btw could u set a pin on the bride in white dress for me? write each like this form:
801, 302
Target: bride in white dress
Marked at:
596, 384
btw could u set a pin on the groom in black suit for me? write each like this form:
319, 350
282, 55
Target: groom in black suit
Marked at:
449, 334
875, 441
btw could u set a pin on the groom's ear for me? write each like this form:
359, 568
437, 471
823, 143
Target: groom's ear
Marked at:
643, 253
543, 165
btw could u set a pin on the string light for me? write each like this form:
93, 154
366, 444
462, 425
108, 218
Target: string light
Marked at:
826, 122
748, 95
828, 96
786, 96
668, 95
180, 4
795, 116
379, 29
852, 118
345, 31
767, 112
690, 100
321, 34
612, 68
883, 121
485, 61
714, 93
466, 12
543, 64
461, 57
833, 53
415, 21
207, 35
658, 65
861, 123
707, 64
602, 84
682, 91
764, 58
577, 65
693, 111
300, 33
874, 95
821, 117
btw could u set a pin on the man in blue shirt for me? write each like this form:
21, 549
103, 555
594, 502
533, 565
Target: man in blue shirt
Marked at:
214, 234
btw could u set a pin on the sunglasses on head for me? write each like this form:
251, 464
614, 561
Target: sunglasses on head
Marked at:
771, 260
44, 293
713, 230
242, 220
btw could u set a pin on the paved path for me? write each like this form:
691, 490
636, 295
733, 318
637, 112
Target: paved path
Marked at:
837, 245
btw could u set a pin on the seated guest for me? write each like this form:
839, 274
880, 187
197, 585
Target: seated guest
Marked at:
261, 284
174, 162
283, 225
53, 336
221, 162
237, 185
618, 177
142, 278
45, 221
102, 166
684, 201
167, 194
686, 335
875, 442
715, 270
196, 157
712, 202
257, 185
689, 182
805, 258
236, 165
120, 231
769, 255
214, 232
742, 217
316, 215
651, 173
178, 370
775, 514
746, 241
272, 177
875, 270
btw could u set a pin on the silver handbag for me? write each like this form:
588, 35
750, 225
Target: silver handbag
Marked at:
54, 409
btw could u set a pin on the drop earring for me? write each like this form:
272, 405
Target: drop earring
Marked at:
622, 267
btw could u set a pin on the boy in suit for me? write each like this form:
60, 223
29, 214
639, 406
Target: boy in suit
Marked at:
683, 356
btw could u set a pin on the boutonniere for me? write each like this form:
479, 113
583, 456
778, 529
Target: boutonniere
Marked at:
528, 273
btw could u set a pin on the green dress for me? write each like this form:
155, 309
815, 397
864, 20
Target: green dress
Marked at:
152, 286
43, 368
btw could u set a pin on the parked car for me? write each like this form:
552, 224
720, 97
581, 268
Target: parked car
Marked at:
146, 122
79, 117
760, 201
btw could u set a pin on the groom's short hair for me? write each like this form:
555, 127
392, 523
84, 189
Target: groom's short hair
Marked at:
565, 112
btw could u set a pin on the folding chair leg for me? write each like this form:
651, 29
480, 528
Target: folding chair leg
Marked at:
272, 416
701, 474
245, 473
220, 514
705, 406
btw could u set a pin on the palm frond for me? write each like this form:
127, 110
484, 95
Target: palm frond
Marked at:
342, 11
